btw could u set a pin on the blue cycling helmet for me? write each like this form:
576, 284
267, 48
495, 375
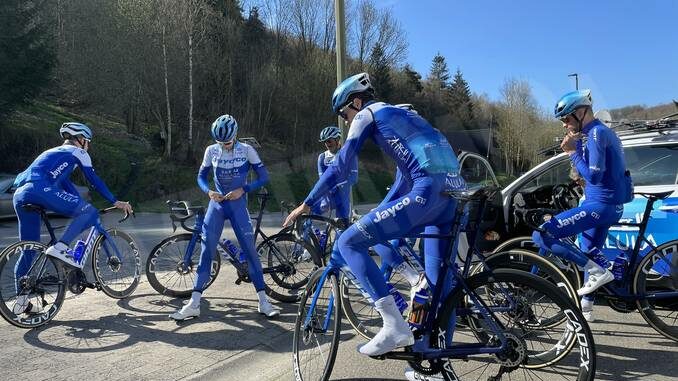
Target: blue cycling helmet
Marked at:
358, 83
224, 128
75, 129
571, 101
330, 132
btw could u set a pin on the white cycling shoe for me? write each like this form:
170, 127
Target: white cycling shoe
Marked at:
587, 310
186, 312
268, 309
598, 277
60, 252
305, 256
394, 334
23, 305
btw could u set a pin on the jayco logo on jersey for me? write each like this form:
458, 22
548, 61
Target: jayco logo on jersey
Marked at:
58, 170
232, 161
399, 148
391, 211
571, 220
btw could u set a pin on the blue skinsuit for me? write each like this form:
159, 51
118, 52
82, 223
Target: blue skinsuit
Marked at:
600, 161
428, 166
230, 169
46, 183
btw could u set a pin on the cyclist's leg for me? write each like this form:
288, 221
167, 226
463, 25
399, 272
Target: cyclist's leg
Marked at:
237, 213
211, 232
390, 256
241, 222
388, 221
29, 230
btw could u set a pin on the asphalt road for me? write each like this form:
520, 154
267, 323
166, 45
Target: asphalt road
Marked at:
95, 338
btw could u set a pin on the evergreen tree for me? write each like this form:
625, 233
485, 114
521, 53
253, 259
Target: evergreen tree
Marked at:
413, 79
439, 75
27, 54
380, 73
459, 102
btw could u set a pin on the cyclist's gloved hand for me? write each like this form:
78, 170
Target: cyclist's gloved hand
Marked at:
218, 197
125, 206
301, 209
234, 194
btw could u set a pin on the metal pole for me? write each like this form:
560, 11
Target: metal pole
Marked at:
340, 37
341, 50
576, 80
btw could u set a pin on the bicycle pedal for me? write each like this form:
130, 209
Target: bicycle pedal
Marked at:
238, 281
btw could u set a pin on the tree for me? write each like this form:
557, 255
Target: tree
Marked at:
27, 55
436, 86
380, 73
439, 75
459, 102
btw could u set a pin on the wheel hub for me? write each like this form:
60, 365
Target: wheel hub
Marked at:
515, 353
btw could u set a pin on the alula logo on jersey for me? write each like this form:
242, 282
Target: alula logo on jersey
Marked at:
391, 211
55, 173
399, 148
571, 219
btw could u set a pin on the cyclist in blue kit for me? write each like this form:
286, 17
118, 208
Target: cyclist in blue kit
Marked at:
46, 183
230, 161
428, 166
596, 153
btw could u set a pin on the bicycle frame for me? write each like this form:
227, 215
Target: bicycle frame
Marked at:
622, 289
422, 348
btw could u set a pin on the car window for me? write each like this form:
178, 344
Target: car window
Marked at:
477, 172
653, 165
557, 174
5, 184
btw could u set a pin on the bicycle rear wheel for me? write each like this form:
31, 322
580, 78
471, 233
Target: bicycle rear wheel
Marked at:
657, 275
118, 271
169, 273
43, 286
317, 329
536, 352
287, 263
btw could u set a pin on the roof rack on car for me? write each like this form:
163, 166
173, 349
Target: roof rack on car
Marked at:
625, 127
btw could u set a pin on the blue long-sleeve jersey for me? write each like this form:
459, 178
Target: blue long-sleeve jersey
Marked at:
55, 166
418, 149
599, 159
231, 168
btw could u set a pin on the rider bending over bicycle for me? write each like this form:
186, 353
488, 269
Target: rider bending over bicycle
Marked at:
429, 167
596, 153
230, 161
46, 183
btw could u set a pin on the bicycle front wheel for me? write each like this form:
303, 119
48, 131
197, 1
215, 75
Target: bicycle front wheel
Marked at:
287, 263
317, 328
519, 301
172, 265
116, 264
43, 285
656, 279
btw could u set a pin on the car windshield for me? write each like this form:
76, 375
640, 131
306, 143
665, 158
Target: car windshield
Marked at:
653, 165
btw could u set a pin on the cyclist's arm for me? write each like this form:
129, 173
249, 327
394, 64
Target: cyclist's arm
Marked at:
592, 171
321, 164
353, 174
259, 169
85, 163
203, 172
69, 187
339, 171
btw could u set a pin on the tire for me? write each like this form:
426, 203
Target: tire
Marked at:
49, 286
525, 260
526, 243
306, 339
656, 273
166, 271
295, 260
117, 277
567, 350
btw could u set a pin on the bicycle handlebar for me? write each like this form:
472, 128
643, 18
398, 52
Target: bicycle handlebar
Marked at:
111, 208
